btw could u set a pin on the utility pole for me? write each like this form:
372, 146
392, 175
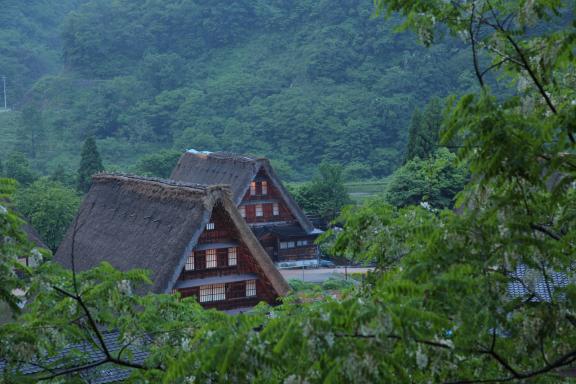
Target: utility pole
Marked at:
4, 87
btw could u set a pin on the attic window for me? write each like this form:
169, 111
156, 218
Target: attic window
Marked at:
214, 292
190, 263
210, 226
242, 211
275, 209
211, 258
259, 210
232, 257
251, 288
253, 188
264, 187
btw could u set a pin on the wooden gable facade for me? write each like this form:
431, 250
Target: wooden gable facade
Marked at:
190, 237
267, 213
221, 271
279, 224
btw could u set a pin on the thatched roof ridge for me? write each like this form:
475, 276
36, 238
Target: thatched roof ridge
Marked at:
146, 184
149, 223
234, 170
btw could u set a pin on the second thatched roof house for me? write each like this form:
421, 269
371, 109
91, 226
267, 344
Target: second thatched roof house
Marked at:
275, 218
191, 237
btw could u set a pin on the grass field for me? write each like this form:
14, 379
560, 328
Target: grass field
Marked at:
362, 190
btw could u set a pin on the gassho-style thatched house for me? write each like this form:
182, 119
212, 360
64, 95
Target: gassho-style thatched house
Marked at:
277, 221
191, 237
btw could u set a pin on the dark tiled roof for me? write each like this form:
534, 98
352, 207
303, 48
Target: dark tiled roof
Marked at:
527, 282
282, 230
76, 355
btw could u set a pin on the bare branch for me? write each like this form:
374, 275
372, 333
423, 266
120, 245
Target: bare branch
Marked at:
473, 42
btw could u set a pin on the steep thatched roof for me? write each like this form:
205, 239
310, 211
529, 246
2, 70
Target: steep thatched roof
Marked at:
234, 170
133, 222
34, 236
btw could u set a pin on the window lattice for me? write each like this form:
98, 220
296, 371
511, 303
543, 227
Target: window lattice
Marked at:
232, 256
210, 226
259, 210
190, 263
211, 260
214, 292
251, 288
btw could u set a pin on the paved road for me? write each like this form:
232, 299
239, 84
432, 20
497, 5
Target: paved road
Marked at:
318, 275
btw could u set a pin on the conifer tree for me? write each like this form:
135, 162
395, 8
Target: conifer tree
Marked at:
424, 131
90, 163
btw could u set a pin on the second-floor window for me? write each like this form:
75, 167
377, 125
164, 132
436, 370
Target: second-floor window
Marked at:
210, 226
211, 258
242, 211
275, 209
253, 188
232, 256
259, 210
190, 263
264, 186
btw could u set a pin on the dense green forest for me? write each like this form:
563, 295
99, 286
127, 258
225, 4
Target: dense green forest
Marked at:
30, 43
298, 81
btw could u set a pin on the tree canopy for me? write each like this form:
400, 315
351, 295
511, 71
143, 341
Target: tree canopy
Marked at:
325, 195
90, 164
50, 207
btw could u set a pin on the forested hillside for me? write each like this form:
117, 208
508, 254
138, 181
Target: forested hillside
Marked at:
300, 81
30, 44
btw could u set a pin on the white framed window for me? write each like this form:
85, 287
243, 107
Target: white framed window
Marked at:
232, 256
302, 243
283, 245
251, 288
211, 260
190, 263
242, 210
264, 186
291, 244
214, 292
253, 188
210, 226
259, 210
275, 209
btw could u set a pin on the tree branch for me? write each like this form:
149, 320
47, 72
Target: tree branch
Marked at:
473, 42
